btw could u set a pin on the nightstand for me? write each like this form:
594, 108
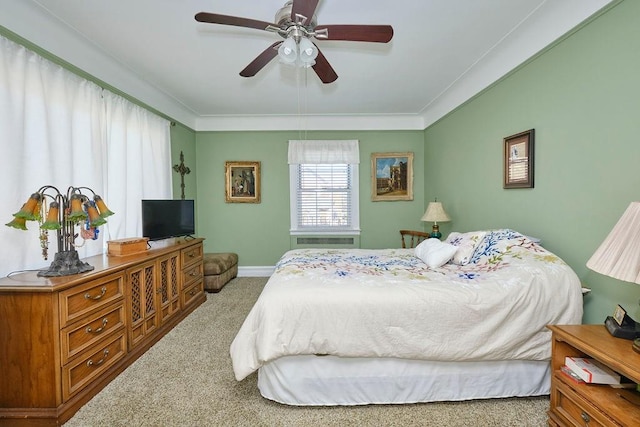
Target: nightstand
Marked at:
581, 404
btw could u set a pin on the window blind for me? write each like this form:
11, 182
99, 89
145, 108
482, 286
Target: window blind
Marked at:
323, 196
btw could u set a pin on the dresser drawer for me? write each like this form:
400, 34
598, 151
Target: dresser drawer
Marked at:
190, 294
81, 335
191, 274
191, 255
79, 301
91, 364
574, 409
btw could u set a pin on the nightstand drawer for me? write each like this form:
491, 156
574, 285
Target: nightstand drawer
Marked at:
573, 408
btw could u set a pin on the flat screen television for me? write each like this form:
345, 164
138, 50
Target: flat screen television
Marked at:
162, 219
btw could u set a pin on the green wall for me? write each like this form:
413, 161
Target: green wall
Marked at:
259, 233
183, 140
582, 96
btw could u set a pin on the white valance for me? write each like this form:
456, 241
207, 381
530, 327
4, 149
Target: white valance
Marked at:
319, 152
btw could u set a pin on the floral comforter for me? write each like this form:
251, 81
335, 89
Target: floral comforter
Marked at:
388, 303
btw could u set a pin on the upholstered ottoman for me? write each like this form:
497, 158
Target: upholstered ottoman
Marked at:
219, 268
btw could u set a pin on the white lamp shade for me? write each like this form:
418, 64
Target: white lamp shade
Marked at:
619, 255
308, 52
288, 51
435, 213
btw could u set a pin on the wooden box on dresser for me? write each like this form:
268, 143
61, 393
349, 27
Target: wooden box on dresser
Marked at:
582, 404
63, 339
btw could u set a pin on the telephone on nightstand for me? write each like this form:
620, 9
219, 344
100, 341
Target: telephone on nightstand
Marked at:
621, 325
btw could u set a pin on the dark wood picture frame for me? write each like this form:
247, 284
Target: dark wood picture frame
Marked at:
518, 160
242, 182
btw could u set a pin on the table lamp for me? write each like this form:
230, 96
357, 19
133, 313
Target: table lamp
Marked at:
435, 213
63, 213
619, 257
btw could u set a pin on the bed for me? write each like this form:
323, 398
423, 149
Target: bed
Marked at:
357, 326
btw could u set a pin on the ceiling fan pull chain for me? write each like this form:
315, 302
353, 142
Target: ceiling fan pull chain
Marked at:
306, 106
299, 104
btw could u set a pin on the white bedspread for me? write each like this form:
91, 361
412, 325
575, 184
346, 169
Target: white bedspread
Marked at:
388, 303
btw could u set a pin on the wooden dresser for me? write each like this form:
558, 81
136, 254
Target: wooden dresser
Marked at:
574, 404
63, 339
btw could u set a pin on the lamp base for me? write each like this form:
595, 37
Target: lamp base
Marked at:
435, 232
66, 263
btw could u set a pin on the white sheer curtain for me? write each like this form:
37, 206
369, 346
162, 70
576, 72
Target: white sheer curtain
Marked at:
59, 129
138, 163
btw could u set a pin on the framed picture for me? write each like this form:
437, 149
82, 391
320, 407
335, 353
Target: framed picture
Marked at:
391, 176
242, 182
619, 314
518, 160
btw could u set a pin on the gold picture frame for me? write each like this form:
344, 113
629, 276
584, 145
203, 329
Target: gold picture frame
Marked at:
518, 160
242, 182
391, 176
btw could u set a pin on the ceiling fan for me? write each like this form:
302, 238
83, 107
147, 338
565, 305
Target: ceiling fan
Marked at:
296, 23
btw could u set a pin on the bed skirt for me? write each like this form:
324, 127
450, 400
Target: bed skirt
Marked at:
330, 380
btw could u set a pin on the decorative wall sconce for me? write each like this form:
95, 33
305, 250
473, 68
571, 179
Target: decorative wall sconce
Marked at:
63, 213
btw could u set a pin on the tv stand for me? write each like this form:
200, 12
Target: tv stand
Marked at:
63, 339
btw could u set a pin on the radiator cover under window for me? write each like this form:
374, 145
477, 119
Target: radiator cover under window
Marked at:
325, 242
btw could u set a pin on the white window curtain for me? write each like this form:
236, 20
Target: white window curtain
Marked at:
59, 129
138, 152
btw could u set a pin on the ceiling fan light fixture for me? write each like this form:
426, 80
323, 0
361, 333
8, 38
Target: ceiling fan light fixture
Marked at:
308, 52
288, 51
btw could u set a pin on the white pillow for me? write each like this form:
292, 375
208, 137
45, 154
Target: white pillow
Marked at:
435, 253
466, 244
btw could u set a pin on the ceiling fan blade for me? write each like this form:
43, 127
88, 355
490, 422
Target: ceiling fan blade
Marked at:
261, 60
214, 18
356, 33
304, 8
324, 70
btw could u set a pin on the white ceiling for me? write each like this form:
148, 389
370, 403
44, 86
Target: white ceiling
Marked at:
443, 52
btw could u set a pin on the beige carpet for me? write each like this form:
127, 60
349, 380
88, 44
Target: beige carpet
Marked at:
186, 380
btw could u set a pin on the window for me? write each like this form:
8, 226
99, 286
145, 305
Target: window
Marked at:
324, 195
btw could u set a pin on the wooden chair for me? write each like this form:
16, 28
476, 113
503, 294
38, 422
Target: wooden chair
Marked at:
411, 238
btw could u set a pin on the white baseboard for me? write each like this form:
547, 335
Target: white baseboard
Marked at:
264, 271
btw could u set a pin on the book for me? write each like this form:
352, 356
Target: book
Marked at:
572, 375
592, 371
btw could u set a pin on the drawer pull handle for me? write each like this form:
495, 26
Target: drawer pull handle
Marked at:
193, 292
191, 254
102, 292
585, 417
92, 363
100, 329
194, 273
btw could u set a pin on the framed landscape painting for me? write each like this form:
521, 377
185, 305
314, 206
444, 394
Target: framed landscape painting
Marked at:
242, 182
391, 176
